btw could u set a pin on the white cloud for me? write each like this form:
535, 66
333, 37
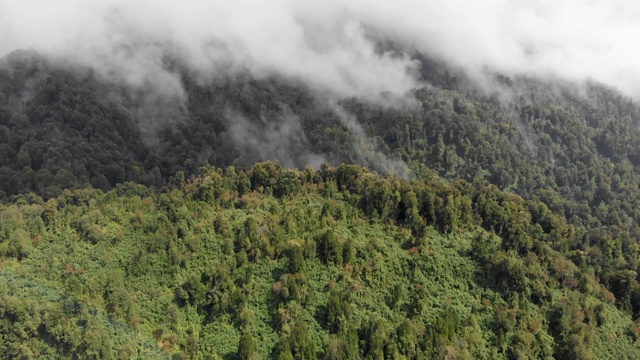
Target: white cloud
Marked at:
572, 39
327, 43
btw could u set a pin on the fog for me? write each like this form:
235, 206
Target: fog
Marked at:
365, 49
331, 45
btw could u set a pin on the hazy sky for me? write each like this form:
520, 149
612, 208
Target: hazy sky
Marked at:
331, 44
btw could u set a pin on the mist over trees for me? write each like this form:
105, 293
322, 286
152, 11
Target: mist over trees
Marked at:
562, 253
352, 191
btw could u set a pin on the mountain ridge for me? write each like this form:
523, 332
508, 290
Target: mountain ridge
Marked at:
546, 169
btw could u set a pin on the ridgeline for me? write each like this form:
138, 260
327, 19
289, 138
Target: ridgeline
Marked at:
134, 226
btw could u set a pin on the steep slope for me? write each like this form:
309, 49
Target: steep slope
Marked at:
572, 148
339, 263
62, 127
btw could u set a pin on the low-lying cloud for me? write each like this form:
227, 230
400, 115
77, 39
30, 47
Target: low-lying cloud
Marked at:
329, 44
282, 139
324, 47
338, 49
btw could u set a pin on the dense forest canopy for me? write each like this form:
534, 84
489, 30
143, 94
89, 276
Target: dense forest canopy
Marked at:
429, 211
339, 263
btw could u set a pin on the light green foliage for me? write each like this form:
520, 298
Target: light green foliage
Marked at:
277, 268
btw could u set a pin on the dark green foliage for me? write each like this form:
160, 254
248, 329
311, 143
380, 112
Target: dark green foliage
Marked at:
406, 339
344, 346
374, 339
246, 347
338, 310
330, 248
441, 332
296, 259
566, 323
299, 343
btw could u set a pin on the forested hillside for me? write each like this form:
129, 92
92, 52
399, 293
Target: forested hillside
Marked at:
339, 263
573, 148
509, 230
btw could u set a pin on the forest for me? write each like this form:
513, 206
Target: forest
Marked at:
464, 223
339, 263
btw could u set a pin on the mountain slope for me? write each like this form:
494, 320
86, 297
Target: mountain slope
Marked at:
573, 148
339, 263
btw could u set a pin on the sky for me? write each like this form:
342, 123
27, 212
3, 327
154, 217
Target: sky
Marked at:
331, 45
